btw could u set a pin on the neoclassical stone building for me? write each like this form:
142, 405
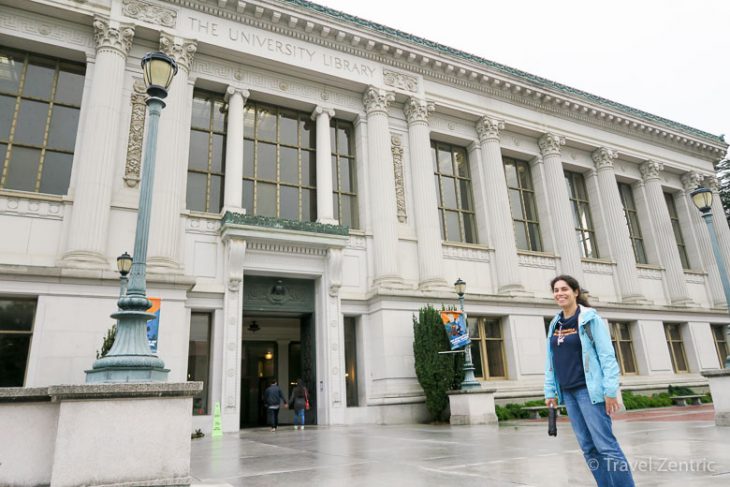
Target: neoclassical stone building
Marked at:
319, 178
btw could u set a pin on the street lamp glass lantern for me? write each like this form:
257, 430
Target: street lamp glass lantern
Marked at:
460, 287
124, 263
159, 69
702, 198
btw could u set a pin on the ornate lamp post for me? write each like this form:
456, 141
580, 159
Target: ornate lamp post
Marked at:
702, 199
130, 358
469, 381
124, 264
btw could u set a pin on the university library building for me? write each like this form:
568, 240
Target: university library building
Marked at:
319, 178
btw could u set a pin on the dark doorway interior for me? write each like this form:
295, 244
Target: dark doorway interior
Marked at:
258, 369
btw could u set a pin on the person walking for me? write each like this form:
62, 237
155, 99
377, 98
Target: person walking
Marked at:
581, 372
299, 401
273, 397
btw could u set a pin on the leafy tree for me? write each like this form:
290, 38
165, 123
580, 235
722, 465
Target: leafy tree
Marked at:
437, 373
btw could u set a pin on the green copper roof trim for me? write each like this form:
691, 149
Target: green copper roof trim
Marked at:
535, 80
280, 223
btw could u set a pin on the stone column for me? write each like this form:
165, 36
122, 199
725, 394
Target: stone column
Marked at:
325, 203
718, 218
664, 234
425, 204
233, 196
498, 208
234, 254
561, 212
172, 161
691, 181
616, 226
87, 235
382, 187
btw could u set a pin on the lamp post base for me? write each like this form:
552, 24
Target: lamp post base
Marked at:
126, 374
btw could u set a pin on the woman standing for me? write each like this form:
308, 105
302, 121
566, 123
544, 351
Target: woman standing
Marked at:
581, 371
299, 401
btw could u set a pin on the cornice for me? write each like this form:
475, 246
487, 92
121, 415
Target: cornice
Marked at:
369, 40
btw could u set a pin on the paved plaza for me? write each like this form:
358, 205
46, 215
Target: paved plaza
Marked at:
677, 446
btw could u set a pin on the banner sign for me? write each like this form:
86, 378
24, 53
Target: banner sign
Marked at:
455, 325
153, 325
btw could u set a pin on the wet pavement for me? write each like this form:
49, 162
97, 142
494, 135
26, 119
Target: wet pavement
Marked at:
677, 446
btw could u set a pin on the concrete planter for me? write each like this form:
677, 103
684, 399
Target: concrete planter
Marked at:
720, 389
472, 406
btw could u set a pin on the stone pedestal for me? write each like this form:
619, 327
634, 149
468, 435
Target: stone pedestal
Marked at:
720, 389
105, 434
472, 406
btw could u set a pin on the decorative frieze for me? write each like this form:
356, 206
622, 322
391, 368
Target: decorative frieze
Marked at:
148, 12
376, 100
649, 273
550, 144
488, 128
136, 134
537, 261
650, 169
63, 33
460, 252
285, 248
603, 157
181, 50
400, 81
594, 267
357, 242
204, 226
108, 37
417, 110
694, 277
396, 147
31, 207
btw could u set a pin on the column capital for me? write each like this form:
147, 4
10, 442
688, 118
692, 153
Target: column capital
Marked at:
550, 144
181, 50
377, 100
650, 169
417, 110
113, 35
712, 182
488, 128
232, 90
322, 110
691, 180
603, 157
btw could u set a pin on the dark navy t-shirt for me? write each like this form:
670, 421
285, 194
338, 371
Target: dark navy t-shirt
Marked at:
568, 353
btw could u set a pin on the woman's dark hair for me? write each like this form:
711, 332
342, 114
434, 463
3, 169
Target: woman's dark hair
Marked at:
572, 282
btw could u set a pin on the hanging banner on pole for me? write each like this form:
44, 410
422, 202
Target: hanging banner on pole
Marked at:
455, 325
153, 325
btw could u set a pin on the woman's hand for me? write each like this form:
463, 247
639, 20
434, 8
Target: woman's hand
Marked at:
612, 405
551, 402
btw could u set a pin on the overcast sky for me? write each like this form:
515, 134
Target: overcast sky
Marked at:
666, 57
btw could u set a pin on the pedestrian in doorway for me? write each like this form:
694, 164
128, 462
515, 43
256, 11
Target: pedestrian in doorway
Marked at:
273, 398
299, 401
581, 372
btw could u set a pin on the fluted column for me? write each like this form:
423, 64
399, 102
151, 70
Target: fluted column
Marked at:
87, 235
498, 208
616, 226
325, 203
382, 187
233, 197
425, 204
691, 181
719, 219
172, 161
664, 234
561, 212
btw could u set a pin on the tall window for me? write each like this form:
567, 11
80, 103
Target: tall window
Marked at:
199, 358
16, 329
582, 214
681, 246
718, 332
522, 204
206, 162
632, 220
279, 169
453, 186
673, 332
343, 173
351, 361
40, 100
623, 346
487, 348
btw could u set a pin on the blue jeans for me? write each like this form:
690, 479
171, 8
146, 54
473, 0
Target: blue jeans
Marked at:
299, 415
592, 427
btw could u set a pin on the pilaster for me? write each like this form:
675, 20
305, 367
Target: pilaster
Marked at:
235, 251
233, 196
325, 203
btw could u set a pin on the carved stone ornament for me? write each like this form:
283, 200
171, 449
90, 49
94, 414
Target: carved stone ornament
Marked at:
417, 110
603, 157
136, 134
550, 144
651, 169
400, 81
117, 38
376, 100
713, 183
148, 12
692, 180
181, 50
334, 269
396, 149
236, 250
488, 128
